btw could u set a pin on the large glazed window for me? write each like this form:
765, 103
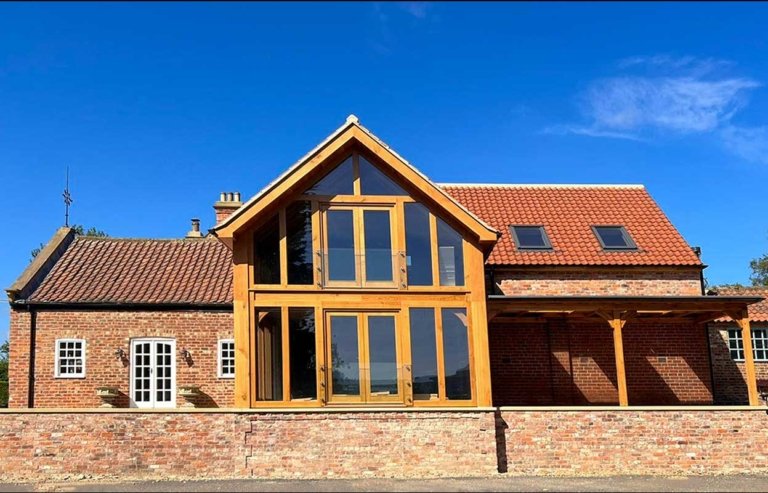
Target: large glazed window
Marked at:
345, 355
378, 246
301, 328
456, 353
269, 355
418, 245
298, 225
374, 182
339, 181
450, 255
424, 353
266, 249
340, 230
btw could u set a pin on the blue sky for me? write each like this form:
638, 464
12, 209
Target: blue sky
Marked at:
157, 108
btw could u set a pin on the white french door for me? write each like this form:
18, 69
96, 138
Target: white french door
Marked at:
153, 373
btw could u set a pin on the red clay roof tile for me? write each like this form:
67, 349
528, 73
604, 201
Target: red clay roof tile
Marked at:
757, 312
567, 214
108, 270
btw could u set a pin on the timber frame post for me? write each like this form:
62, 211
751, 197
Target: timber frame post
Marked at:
617, 321
742, 320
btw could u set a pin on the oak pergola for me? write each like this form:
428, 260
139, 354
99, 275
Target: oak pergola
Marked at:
617, 310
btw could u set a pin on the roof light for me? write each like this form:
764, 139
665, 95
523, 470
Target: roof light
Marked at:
614, 238
530, 238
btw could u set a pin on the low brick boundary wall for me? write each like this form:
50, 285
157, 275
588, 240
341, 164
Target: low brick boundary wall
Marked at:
37, 445
634, 442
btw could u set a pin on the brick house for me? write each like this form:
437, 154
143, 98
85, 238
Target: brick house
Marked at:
354, 280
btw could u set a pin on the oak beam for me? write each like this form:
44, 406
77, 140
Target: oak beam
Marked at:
242, 333
742, 320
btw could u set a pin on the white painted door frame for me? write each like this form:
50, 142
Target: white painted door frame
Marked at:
148, 363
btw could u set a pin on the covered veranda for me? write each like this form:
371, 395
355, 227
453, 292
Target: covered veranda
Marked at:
614, 312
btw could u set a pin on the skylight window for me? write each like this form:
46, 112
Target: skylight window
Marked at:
531, 238
614, 238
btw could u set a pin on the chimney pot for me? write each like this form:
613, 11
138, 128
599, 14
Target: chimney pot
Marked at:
228, 203
195, 231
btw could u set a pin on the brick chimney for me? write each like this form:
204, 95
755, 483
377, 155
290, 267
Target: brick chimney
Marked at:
228, 203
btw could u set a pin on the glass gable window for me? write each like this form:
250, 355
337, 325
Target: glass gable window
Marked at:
298, 225
266, 245
374, 182
530, 238
301, 341
339, 181
424, 353
418, 245
450, 250
614, 238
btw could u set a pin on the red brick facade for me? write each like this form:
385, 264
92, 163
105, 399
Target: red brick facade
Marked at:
620, 281
354, 444
559, 362
729, 375
104, 333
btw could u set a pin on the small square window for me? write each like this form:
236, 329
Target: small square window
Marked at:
70, 358
227, 358
531, 238
614, 238
759, 344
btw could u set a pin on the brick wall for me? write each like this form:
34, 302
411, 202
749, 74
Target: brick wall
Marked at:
597, 281
266, 445
353, 444
559, 362
730, 376
631, 442
104, 332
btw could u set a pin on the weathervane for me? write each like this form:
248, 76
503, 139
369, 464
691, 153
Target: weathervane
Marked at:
67, 201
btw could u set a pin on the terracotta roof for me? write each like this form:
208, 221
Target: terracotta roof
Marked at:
567, 212
757, 312
107, 270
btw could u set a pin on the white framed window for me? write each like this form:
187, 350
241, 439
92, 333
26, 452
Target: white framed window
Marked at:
227, 358
70, 358
759, 344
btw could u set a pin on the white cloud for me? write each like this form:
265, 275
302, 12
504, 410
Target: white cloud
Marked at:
677, 95
681, 104
749, 143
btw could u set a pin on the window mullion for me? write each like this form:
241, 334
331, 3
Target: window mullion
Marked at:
441, 394
286, 354
435, 253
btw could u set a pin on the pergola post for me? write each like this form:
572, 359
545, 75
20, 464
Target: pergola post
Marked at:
617, 320
742, 320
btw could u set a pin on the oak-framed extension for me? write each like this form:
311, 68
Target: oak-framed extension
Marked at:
354, 232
